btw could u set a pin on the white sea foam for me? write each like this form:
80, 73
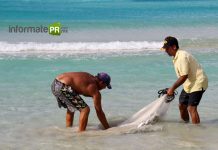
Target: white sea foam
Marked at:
79, 47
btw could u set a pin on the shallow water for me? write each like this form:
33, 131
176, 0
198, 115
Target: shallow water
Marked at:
30, 118
122, 38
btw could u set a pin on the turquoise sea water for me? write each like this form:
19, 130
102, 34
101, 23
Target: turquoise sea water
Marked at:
111, 13
119, 37
110, 20
30, 118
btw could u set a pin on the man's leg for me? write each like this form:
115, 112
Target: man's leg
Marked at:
194, 114
83, 118
69, 118
194, 100
183, 105
184, 112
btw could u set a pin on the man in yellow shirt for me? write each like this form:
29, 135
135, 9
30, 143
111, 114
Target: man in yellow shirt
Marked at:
191, 75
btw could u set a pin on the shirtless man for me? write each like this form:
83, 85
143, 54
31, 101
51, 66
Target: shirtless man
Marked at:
68, 87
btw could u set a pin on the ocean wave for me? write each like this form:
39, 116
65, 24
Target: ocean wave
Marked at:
79, 47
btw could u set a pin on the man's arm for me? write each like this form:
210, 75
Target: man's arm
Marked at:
99, 111
179, 82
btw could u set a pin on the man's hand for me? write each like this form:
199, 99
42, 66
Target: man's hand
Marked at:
170, 91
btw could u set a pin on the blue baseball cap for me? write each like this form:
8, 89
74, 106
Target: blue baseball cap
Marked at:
105, 78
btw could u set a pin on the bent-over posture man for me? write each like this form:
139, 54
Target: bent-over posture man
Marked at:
68, 87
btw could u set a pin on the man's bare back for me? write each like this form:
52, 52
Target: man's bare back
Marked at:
81, 82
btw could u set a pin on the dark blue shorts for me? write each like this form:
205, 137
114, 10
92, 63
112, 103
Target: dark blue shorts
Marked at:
192, 99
